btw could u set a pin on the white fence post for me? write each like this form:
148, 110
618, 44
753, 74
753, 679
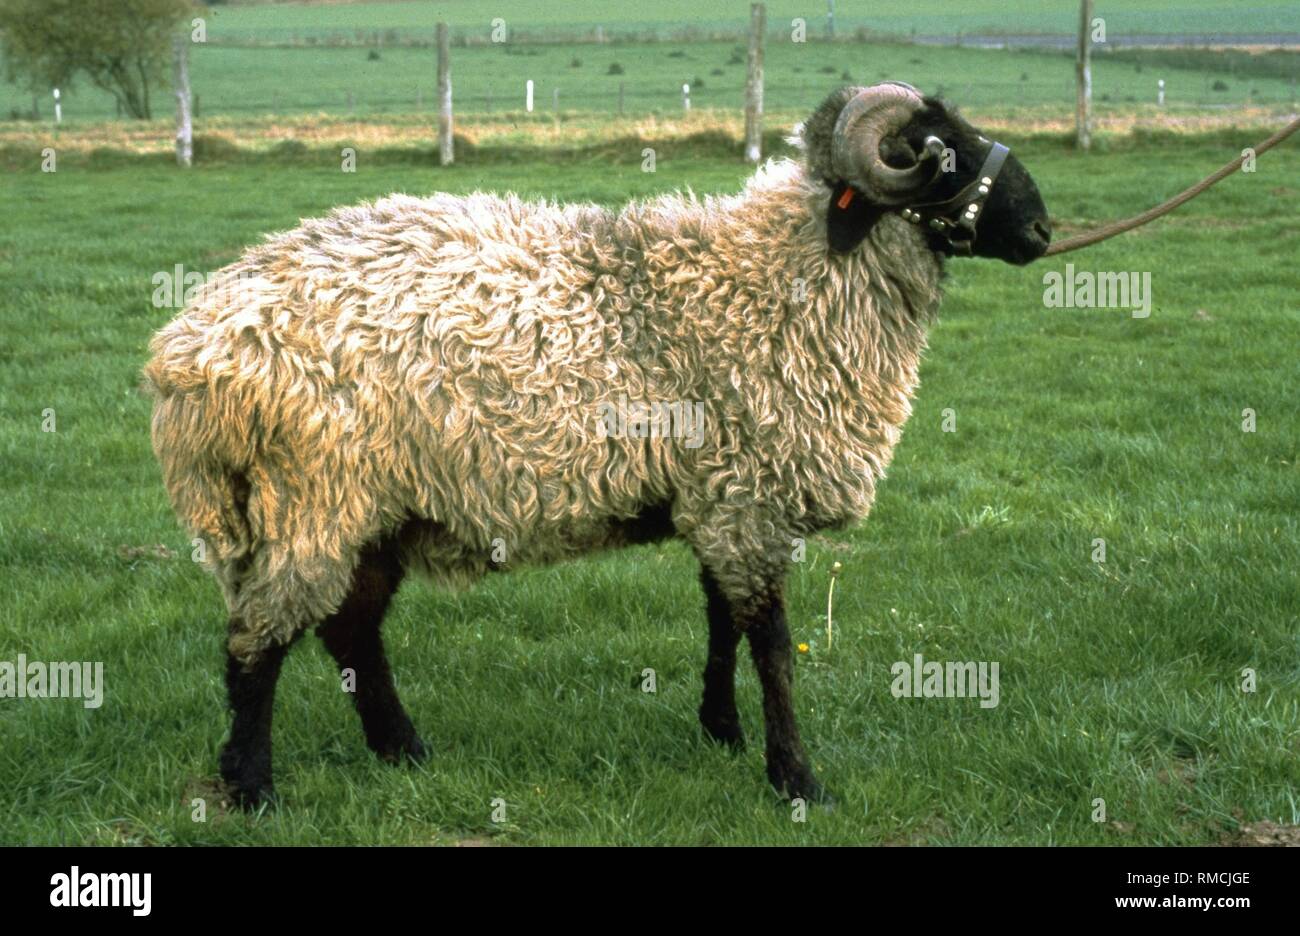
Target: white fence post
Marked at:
445, 146
754, 85
181, 86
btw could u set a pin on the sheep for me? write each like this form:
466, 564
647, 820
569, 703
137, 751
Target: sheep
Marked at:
414, 384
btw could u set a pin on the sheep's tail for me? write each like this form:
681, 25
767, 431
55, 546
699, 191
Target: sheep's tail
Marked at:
205, 451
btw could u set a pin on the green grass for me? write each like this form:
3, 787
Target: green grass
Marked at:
1228, 63
248, 80
1118, 680
935, 17
237, 80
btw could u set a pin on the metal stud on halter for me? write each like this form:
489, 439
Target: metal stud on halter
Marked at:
949, 218
881, 112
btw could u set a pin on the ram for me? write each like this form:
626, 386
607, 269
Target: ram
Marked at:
425, 384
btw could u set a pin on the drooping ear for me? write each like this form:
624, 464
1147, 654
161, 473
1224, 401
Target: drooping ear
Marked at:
848, 218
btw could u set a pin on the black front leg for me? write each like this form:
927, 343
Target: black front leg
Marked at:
718, 710
246, 758
769, 644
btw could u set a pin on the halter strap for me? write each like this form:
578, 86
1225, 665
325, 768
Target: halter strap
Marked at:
955, 218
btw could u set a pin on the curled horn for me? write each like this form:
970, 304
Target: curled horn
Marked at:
867, 119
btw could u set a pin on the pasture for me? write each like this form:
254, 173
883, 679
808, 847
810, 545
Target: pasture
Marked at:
1120, 680
280, 22
365, 59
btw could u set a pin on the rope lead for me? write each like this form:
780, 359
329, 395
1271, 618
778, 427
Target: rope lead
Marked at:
1119, 227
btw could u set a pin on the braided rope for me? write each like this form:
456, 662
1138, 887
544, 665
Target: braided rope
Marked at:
1119, 227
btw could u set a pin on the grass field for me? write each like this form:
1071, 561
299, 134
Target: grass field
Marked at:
1119, 680
346, 81
282, 22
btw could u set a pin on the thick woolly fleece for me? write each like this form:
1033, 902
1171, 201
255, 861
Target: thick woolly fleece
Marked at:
445, 359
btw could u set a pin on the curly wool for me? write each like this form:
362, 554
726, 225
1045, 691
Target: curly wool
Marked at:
446, 358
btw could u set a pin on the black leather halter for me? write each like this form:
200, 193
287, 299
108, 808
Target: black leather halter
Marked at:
954, 219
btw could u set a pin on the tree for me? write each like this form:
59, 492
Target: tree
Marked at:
120, 46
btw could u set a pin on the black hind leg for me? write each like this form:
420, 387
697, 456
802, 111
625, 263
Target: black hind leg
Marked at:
352, 636
246, 758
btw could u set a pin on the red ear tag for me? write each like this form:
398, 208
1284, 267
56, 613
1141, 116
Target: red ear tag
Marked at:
844, 199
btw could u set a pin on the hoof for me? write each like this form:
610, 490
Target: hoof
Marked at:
249, 794
252, 798
247, 780
408, 750
797, 782
724, 729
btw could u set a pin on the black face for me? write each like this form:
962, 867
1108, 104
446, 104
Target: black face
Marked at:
1013, 225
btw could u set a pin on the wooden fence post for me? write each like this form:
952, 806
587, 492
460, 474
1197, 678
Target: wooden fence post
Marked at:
445, 148
754, 84
1083, 72
181, 86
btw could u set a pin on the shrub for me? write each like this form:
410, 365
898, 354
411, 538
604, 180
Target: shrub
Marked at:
289, 149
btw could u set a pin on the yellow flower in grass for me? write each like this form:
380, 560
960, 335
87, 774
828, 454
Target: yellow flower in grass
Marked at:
803, 648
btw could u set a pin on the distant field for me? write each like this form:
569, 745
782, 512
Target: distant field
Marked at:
281, 22
1118, 680
341, 81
